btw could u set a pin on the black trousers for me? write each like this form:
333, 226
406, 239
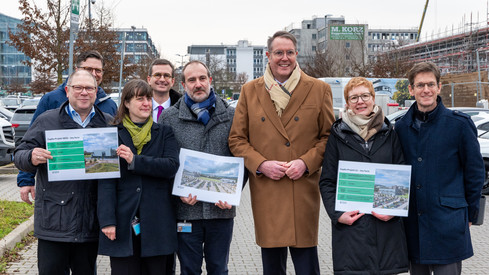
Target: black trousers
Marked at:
55, 258
305, 260
135, 264
436, 269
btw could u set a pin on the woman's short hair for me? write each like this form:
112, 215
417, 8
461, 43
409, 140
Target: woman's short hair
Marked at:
358, 81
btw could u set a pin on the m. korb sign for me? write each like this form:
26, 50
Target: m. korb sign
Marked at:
346, 32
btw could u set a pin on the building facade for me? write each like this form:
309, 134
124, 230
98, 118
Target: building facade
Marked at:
138, 44
242, 58
12, 70
349, 45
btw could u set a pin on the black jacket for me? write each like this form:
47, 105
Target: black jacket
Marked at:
369, 246
145, 191
174, 97
64, 211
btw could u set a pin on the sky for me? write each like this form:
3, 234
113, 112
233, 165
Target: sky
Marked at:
174, 25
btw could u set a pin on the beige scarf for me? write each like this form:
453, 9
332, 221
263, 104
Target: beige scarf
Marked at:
365, 126
280, 97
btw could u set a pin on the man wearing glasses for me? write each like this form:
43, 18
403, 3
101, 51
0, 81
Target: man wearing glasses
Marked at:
280, 127
446, 179
161, 79
65, 218
91, 61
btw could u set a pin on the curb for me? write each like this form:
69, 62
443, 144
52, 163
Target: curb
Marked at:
9, 241
9, 169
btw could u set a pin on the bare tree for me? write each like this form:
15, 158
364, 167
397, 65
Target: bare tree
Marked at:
42, 36
43, 84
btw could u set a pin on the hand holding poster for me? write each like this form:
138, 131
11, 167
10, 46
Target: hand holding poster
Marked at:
82, 154
210, 177
366, 186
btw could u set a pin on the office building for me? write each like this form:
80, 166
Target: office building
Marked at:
12, 70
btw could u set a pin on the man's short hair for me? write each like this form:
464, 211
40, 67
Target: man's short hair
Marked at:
356, 82
160, 61
70, 78
424, 67
193, 62
282, 34
86, 55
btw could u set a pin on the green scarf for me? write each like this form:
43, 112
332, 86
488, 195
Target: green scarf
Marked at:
140, 135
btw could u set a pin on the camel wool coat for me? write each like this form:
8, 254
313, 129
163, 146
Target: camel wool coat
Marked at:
286, 212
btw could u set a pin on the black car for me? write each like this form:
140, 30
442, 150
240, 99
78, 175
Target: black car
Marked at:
21, 121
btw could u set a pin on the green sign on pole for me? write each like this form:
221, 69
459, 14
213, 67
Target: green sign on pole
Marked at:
346, 32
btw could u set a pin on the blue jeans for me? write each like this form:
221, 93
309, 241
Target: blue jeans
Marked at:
209, 239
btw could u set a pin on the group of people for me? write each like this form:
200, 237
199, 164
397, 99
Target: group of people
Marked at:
284, 128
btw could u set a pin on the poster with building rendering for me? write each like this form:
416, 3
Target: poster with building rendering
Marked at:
367, 187
82, 154
210, 177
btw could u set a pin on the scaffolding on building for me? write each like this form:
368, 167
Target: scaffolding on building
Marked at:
462, 50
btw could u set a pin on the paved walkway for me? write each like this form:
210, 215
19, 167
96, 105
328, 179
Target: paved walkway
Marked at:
245, 254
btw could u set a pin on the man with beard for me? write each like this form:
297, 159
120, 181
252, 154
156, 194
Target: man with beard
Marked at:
201, 122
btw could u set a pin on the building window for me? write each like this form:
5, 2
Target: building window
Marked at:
347, 57
313, 48
313, 36
347, 45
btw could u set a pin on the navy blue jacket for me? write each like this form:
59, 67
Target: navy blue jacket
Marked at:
446, 181
53, 100
145, 192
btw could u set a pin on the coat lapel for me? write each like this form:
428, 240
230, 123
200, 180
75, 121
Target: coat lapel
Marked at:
298, 96
268, 107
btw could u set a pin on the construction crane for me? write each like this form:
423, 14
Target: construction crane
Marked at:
422, 20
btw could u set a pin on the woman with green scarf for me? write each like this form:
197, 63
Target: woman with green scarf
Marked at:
136, 216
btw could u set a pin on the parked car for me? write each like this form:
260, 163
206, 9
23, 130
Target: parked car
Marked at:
10, 103
115, 98
21, 120
6, 114
7, 144
30, 102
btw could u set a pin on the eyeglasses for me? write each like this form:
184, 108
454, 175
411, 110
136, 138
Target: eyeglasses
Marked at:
79, 89
365, 97
280, 54
90, 69
159, 75
421, 86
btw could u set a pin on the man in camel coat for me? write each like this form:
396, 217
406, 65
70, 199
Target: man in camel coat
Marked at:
281, 126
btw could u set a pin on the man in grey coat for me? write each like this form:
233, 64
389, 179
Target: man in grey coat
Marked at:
65, 220
201, 122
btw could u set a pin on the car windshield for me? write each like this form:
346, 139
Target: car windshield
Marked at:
23, 115
30, 102
10, 101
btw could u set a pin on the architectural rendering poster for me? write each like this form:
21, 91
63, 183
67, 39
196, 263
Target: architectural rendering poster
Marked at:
381, 188
82, 154
212, 178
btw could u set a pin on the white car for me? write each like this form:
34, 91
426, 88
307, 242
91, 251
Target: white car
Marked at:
7, 144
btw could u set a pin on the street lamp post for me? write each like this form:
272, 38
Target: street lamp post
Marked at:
90, 20
133, 44
182, 56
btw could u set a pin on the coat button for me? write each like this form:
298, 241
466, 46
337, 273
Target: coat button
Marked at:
418, 186
420, 159
296, 118
262, 118
287, 144
419, 213
138, 189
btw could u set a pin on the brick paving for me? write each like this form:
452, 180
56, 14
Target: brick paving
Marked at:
245, 257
